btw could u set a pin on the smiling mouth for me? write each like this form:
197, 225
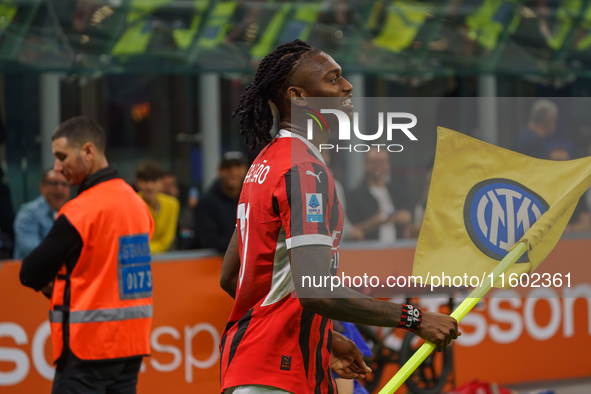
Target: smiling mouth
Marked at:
346, 102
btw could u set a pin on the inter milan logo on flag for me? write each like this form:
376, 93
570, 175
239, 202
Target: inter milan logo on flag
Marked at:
497, 212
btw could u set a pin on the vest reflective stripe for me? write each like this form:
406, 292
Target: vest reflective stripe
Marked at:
102, 315
56, 316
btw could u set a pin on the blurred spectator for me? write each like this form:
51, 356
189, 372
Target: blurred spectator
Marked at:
215, 216
188, 199
164, 208
170, 185
532, 138
35, 218
378, 212
580, 221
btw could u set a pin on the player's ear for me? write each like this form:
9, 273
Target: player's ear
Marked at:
295, 95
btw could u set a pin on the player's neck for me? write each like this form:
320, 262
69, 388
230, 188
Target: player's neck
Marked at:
318, 137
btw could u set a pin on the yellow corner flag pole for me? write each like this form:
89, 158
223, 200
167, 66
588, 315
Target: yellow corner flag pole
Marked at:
460, 312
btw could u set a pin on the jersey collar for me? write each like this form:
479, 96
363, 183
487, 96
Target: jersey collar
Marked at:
106, 174
288, 134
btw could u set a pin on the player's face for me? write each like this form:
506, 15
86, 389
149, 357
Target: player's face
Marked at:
72, 162
321, 76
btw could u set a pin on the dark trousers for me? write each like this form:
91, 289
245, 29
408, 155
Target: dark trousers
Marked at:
75, 376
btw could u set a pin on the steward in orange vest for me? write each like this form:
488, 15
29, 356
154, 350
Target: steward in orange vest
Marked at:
95, 262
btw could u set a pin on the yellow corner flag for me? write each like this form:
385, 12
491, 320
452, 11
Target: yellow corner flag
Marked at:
484, 199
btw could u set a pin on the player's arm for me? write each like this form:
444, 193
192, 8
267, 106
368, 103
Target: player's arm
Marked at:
343, 303
309, 240
231, 267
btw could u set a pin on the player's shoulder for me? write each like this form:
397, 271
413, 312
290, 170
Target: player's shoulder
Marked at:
300, 151
271, 163
287, 154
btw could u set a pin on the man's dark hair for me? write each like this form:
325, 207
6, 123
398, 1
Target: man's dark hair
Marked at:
273, 75
149, 171
81, 129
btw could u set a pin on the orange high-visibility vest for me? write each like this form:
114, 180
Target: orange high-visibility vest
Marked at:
107, 298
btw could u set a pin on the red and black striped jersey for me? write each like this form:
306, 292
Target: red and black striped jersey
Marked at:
288, 200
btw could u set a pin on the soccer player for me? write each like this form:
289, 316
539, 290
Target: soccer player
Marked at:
289, 222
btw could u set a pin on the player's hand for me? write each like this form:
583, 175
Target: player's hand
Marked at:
438, 329
346, 359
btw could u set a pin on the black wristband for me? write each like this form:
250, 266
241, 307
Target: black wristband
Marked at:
411, 317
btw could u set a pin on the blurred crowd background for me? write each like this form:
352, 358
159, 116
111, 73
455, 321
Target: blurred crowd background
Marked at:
163, 77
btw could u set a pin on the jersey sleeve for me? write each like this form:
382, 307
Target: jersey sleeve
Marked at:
304, 198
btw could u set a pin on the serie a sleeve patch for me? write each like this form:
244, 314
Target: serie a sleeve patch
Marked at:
314, 212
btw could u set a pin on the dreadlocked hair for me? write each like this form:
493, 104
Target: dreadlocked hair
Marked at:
274, 72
